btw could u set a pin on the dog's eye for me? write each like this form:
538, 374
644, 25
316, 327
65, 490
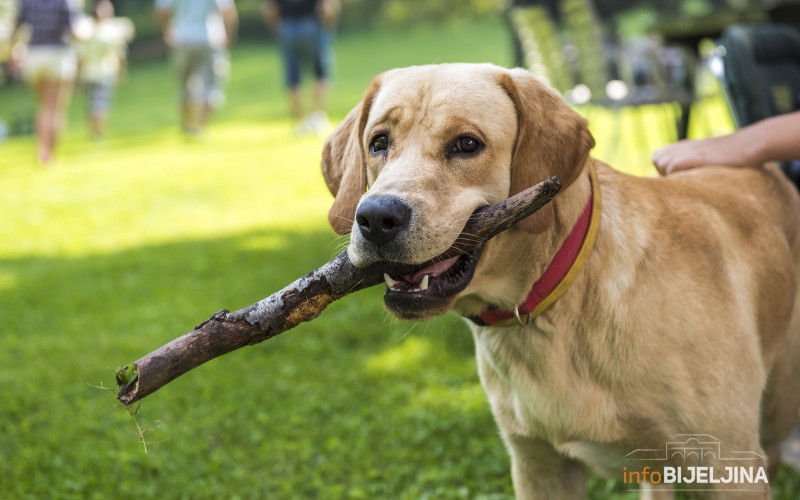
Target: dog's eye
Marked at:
379, 144
465, 145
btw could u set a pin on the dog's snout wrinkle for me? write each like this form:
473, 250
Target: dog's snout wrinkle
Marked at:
381, 218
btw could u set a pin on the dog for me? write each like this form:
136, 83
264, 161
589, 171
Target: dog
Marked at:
624, 316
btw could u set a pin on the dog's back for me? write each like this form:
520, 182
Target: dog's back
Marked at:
726, 249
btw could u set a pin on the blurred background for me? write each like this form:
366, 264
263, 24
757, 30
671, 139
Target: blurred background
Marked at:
125, 242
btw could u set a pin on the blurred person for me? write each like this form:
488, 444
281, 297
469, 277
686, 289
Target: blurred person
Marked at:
48, 63
8, 17
102, 61
773, 139
305, 30
199, 33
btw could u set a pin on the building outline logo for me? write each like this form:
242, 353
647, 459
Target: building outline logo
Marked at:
701, 446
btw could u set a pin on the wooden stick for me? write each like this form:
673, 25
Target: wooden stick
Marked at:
304, 300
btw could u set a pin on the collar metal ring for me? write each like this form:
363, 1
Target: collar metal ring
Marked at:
519, 320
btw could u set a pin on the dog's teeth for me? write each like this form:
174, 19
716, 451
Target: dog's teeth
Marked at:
389, 281
424, 284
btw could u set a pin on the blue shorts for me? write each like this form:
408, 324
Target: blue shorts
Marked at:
304, 43
99, 95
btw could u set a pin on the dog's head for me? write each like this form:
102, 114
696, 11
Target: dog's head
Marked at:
425, 148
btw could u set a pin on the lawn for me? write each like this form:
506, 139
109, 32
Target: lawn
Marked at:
123, 245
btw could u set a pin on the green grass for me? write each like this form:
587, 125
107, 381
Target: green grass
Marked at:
121, 247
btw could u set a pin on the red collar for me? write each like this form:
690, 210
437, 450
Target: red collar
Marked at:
563, 269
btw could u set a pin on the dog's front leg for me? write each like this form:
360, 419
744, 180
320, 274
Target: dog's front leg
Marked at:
539, 472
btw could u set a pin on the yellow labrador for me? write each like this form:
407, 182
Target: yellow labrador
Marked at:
666, 308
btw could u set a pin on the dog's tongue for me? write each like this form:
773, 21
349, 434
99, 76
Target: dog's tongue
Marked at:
435, 270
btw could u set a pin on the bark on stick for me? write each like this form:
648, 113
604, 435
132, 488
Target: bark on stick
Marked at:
303, 300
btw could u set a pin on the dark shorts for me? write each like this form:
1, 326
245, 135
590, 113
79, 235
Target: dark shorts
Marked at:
304, 43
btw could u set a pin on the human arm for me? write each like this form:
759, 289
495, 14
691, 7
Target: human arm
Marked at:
230, 18
272, 15
80, 27
328, 11
127, 31
122, 70
773, 139
164, 22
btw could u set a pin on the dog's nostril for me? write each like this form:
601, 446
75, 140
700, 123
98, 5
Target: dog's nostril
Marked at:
380, 219
389, 224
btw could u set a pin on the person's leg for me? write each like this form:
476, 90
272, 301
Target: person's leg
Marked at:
45, 101
215, 68
185, 61
319, 118
322, 69
99, 95
320, 92
295, 103
52, 96
291, 45
50, 72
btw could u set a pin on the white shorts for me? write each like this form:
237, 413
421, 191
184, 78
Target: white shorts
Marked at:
50, 63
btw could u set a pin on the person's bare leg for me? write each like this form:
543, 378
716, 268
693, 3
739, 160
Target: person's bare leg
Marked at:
205, 115
47, 118
294, 102
64, 97
320, 92
190, 117
98, 124
318, 118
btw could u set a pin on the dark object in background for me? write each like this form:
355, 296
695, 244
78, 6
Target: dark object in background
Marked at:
760, 75
761, 71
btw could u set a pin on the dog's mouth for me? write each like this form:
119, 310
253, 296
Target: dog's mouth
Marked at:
424, 290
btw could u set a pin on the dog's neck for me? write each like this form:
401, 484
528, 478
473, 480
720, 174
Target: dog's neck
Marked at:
515, 262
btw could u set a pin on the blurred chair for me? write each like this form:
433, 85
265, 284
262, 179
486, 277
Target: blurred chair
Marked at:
566, 44
759, 69
538, 44
630, 76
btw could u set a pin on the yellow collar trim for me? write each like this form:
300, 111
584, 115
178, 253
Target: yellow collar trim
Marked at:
580, 260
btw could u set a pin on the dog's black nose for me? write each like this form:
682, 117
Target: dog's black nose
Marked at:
381, 218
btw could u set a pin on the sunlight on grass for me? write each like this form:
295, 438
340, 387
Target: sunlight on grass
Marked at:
233, 180
408, 356
260, 242
452, 399
7, 280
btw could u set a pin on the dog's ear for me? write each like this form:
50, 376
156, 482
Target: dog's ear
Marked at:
552, 139
344, 164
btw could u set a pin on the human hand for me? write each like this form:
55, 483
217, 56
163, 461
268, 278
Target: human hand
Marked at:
725, 150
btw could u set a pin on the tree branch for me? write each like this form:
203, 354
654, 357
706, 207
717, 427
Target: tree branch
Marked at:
303, 301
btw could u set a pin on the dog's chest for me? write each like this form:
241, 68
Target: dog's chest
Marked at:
536, 392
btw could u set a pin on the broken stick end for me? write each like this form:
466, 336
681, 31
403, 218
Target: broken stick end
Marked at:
128, 383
